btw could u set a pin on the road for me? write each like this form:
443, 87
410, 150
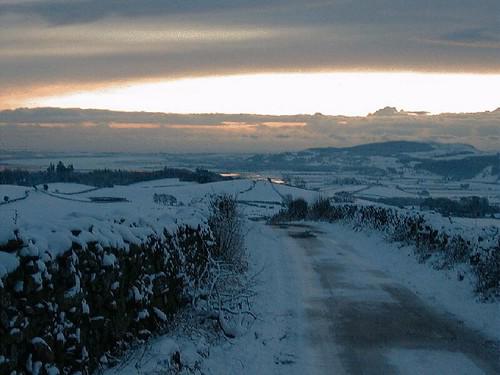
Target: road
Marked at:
355, 319
323, 307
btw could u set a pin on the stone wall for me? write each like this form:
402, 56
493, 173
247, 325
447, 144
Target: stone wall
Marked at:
87, 306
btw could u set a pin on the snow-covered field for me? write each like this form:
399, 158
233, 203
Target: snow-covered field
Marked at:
10, 192
67, 188
312, 280
51, 220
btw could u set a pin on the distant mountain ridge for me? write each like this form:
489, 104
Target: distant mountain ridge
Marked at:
388, 148
380, 148
455, 161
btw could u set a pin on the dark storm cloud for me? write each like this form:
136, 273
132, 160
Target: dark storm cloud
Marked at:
263, 11
56, 42
81, 11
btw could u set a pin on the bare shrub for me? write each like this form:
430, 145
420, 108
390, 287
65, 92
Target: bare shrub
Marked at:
226, 223
165, 199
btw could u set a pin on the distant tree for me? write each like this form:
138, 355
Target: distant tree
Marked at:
298, 208
63, 172
61, 168
299, 182
465, 207
102, 177
45, 187
51, 169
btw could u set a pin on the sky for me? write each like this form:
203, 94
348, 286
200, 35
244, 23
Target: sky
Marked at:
276, 57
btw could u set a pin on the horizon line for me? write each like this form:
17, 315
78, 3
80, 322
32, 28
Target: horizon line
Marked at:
397, 111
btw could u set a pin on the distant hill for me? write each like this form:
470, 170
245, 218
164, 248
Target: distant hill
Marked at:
454, 161
463, 168
381, 148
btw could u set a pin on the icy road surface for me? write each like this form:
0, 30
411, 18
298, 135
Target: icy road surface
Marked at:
326, 307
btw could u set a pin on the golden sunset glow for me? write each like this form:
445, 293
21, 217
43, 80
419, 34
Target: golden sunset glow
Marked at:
114, 125
357, 93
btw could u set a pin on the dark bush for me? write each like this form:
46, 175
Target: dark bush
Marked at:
320, 209
297, 209
226, 223
487, 268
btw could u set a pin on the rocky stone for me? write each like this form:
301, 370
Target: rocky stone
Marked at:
42, 351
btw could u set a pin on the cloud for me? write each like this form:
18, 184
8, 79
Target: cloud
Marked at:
93, 42
263, 12
76, 130
477, 37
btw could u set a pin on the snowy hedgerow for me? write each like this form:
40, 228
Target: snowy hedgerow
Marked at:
486, 264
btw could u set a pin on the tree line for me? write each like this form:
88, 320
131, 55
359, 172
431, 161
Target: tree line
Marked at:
102, 177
